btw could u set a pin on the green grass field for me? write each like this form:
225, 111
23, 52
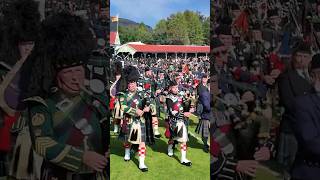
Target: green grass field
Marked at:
160, 165
163, 167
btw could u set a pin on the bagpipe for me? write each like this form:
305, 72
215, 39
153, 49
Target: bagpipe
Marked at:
98, 73
314, 37
292, 7
230, 100
163, 91
146, 102
245, 87
162, 95
11, 88
242, 115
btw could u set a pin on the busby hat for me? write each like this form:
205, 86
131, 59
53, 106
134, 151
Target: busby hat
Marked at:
223, 29
118, 67
302, 47
21, 20
66, 40
226, 20
131, 74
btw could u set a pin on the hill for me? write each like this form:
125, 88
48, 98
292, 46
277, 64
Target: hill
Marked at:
125, 23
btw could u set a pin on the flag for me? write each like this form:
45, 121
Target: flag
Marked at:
114, 19
242, 22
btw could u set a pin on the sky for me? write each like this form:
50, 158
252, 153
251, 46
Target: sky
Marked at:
151, 11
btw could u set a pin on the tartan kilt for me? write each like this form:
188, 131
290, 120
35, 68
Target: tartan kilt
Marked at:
127, 128
117, 113
25, 162
158, 106
203, 128
174, 134
148, 129
287, 149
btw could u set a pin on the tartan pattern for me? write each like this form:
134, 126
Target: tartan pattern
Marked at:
173, 127
223, 168
144, 83
126, 128
174, 118
129, 104
287, 149
203, 128
51, 134
124, 136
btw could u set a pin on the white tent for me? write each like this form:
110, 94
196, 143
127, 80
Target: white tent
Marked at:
127, 49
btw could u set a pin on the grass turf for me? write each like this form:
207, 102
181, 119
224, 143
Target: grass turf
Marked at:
160, 165
163, 167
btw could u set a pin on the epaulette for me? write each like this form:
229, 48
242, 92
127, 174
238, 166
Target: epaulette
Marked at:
36, 99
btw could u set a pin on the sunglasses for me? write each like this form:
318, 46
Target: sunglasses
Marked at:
218, 53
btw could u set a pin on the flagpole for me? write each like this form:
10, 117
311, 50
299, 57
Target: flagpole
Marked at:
118, 23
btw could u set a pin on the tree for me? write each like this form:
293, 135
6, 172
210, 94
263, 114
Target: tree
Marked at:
135, 33
160, 35
182, 28
178, 30
206, 30
127, 34
195, 28
143, 34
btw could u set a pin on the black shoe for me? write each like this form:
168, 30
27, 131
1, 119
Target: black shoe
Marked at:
144, 169
157, 136
206, 149
186, 163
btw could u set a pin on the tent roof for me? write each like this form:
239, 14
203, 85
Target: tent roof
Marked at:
114, 38
134, 47
146, 48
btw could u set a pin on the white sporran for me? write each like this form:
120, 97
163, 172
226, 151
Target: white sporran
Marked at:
135, 133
